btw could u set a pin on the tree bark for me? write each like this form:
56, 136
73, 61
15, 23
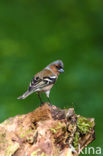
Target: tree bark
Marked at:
47, 131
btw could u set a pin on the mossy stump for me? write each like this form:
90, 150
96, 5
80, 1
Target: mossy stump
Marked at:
47, 131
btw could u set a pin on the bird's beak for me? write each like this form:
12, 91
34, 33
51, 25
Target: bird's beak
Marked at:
61, 70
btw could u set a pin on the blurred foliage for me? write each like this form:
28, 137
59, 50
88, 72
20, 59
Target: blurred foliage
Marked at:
35, 33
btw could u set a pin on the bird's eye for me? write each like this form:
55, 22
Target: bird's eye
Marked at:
58, 67
37, 78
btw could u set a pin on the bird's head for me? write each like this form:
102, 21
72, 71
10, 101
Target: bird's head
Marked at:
57, 67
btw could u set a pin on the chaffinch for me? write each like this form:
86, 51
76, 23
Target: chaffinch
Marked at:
44, 80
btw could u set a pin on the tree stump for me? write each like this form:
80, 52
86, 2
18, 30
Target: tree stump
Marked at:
47, 131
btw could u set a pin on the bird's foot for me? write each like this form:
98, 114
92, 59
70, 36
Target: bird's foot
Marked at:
49, 104
42, 103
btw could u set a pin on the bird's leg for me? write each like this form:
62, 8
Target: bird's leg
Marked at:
47, 95
41, 102
49, 101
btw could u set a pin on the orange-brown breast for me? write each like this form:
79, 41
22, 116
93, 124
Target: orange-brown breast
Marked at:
55, 70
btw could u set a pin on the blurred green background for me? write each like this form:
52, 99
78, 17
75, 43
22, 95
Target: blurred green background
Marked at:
35, 33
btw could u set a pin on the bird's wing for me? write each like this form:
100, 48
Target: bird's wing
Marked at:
41, 80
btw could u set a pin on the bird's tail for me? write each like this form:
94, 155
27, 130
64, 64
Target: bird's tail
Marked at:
25, 95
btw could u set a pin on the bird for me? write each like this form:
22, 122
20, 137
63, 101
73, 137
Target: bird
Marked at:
44, 80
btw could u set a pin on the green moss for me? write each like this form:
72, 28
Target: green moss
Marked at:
84, 125
59, 126
53, 130
76, 140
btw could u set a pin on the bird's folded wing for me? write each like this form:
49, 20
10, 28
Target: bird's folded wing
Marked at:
38, 84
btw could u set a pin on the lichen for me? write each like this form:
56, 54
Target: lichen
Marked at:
30, 139
20, 117
42, 154
6, 122
59, 126
76, 140
2, 138
35, 152
24, 133
11, 149
84, 124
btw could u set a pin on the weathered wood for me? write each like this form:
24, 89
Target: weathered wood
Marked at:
47, 131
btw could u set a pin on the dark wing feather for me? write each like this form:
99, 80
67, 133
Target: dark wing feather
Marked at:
38, 84
34, 82
49, 80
